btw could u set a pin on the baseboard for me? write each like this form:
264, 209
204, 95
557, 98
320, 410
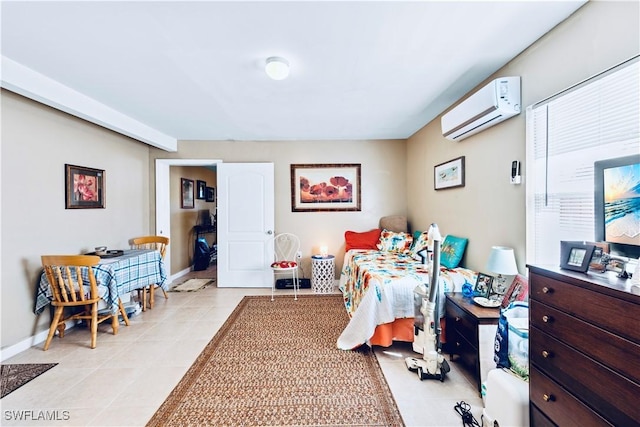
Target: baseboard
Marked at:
288, 283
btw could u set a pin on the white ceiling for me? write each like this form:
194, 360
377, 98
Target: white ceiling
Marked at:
194, 70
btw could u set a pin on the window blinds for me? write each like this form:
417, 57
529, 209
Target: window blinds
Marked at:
597, 119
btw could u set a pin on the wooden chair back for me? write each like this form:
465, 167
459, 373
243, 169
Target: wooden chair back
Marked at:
158, 243
68, 284
73, 283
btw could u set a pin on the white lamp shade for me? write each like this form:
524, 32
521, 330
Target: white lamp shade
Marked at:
277, 68
502, 261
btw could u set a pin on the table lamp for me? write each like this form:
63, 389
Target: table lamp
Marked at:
502, 261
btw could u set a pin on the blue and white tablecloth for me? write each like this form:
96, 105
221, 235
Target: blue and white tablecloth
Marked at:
135, 269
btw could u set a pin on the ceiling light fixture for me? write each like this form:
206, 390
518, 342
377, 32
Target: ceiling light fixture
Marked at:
277, 68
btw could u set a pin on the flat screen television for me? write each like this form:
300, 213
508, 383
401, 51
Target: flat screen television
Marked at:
617, 204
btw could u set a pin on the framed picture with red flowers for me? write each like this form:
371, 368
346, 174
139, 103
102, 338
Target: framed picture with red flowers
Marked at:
325, 187
84, 187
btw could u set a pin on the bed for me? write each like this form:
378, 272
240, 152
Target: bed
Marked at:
378, 280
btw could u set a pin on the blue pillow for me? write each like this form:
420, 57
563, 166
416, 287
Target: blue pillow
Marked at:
452, 250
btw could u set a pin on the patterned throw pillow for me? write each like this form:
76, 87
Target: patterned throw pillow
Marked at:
419, 243
452, 250
390, 241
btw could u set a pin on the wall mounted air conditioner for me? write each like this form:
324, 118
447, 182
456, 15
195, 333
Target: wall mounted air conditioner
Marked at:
494, 103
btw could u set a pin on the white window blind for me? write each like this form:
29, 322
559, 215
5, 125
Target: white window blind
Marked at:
597, 119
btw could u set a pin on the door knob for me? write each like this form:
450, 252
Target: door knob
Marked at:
269, 232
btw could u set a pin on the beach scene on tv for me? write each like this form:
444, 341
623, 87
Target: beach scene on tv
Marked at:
622, 204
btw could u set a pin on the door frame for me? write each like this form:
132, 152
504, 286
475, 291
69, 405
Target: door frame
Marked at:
163, 197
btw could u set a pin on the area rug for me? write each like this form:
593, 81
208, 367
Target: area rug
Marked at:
275, 363
192, 285
15, 376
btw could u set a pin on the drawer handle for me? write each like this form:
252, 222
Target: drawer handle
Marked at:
546, 290
547, 319
546, 354
548, 397
458, 344
458, 319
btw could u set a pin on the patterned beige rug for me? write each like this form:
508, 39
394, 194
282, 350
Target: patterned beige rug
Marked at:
275, 363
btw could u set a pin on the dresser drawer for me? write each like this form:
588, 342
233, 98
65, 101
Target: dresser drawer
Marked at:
558, 405
617, 353
613, 314
463, 323
613, 396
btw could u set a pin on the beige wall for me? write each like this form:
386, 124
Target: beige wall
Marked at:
383, 183
489, 210
37, 141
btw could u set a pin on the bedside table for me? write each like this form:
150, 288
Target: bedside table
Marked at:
322, 273
470, 333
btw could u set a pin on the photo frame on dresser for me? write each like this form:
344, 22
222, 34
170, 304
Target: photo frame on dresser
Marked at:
483, 286
576, 256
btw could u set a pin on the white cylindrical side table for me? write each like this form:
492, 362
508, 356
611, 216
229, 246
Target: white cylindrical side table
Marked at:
322, 273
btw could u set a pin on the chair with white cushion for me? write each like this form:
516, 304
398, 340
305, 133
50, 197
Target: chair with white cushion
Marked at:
285, 248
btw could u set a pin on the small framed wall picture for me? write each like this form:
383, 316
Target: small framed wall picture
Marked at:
483, 286
210, 194
201, 189
576, 256
187, 190
84, 187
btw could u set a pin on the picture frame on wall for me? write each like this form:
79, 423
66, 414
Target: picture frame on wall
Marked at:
201, 187
210, 194
187, 192
449, 174
84, 187
483, 286
325, 187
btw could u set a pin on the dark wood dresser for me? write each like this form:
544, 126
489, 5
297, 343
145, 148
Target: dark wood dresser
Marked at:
584, 349
464, 334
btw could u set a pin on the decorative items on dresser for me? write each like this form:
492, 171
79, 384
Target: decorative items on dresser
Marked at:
584, 339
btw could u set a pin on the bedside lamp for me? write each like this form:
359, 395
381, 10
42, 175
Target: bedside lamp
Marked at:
502, 261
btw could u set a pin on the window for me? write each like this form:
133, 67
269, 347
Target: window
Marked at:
597, 119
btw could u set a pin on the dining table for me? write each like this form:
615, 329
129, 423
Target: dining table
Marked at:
116, 276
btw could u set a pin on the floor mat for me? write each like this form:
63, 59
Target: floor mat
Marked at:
15, 376
192, 285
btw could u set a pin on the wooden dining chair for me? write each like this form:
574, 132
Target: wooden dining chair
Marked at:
73, 285
158, 243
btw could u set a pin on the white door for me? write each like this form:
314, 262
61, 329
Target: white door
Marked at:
245, 224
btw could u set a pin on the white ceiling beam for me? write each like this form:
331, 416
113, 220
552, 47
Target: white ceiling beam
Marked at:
31, 84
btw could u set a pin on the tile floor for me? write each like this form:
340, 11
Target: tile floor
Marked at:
126, 377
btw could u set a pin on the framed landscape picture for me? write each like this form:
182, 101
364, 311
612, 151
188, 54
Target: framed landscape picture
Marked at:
325, 187
449, 174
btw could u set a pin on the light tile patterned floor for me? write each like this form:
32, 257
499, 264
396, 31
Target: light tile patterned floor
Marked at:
126, 377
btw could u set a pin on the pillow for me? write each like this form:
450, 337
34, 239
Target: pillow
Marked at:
452, 250
419, 243
390, 241
366, 240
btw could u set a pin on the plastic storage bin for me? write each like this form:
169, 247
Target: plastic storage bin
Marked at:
506, 398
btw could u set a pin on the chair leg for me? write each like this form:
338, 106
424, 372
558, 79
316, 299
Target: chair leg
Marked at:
273, 285
54, 325
94, 324
123, 312
144, 299
295, 285
152, 295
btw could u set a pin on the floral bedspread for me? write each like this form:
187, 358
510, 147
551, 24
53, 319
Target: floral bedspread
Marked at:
378, 287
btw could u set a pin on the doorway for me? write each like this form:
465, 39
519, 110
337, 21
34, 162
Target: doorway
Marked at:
163, 200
